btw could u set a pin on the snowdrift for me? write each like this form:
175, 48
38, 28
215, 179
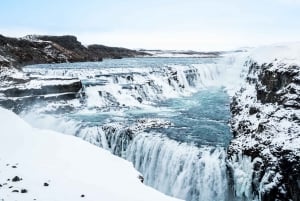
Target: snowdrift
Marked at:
44, 165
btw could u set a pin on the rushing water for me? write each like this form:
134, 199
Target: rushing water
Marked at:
168, 116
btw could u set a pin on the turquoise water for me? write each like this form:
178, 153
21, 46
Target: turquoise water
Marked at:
184, 158
200, 118
129, 62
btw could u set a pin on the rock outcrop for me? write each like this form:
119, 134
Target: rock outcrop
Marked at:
266, 127
21, 51
18, 52
113, 52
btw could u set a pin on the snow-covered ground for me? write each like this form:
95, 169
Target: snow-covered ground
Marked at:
288, 53
45, 165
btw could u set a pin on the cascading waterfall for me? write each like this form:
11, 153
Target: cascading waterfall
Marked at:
179, 169
114, 138
133, 87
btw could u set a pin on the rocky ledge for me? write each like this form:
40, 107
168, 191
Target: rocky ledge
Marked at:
266, 125
18, 91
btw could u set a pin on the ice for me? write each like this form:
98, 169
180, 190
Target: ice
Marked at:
242, 168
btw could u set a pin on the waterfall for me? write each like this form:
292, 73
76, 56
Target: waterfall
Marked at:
177, 169
180, 170
114, 138
134, 87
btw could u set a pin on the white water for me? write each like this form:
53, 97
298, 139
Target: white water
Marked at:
137, 86
242, 169
178, 169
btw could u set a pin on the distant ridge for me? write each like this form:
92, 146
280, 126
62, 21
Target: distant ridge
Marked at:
36, 49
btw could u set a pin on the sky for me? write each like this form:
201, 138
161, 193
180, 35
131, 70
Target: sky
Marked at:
157, 24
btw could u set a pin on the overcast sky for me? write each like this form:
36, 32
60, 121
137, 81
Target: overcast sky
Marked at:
165, 24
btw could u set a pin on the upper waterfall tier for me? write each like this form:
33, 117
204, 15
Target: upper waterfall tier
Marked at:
144, 81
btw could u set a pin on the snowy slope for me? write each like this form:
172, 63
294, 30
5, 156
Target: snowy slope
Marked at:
74, 169
288, 53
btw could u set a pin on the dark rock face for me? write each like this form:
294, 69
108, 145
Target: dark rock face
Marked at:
266, 127
113, 52
29, 50
276, 84
70, 43
20, 52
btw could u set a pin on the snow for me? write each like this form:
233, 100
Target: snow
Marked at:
35, 84
288, 53
273, 129
70, 166
2, 58
277, 119
12, 72
180, 53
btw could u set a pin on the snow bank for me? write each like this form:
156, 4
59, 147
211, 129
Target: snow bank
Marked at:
288, 53
73, 169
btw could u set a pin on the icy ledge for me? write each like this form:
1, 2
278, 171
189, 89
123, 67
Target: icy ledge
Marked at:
266, 126
44, 165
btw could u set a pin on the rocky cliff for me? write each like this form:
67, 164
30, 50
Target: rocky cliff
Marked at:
113, 52
266, 124
33, 49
